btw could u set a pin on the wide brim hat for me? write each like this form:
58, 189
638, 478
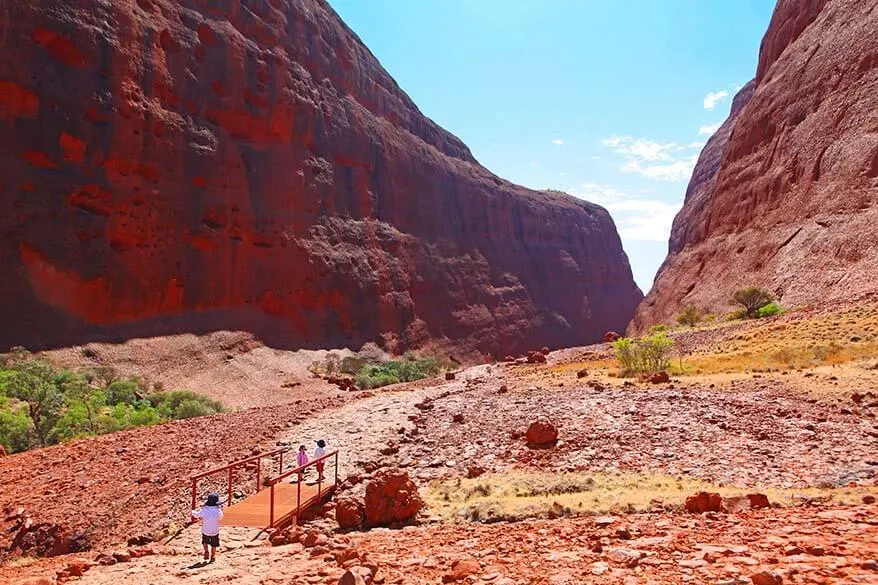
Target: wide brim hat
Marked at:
320, 443
212, 500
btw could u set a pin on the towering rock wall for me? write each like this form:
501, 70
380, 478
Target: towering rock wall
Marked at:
192, 165
793, 203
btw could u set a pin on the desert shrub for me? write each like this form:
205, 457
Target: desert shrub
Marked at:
690, 316
769, 310
352, 365
408, 369
751, 299
659, 328
644, 355
122, 392
179, 404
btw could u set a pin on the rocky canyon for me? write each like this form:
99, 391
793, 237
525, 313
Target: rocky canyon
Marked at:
785, 195
193, 166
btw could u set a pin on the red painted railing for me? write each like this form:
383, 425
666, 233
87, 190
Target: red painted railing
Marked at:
231, 467
298, 470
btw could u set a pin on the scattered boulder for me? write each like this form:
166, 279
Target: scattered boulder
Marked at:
457, 417
449, 375
611, 336
351, 578
704, 502
461, 569
767, 578
503, 389
544, 350
541, 434
758, 501
474, 471
582, 374
391, 499
659, 378
867, 499
535, 357
350, 514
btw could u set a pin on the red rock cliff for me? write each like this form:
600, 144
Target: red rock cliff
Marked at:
195, 165
793, 203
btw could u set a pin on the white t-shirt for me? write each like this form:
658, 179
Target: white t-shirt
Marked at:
210, 516
319, 452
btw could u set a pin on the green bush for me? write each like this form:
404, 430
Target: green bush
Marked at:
408, 369
690, 316
769, 310
658, 328
41, 405
645, 355
751, 299
178, 404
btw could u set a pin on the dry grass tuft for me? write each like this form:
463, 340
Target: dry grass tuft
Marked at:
517, 496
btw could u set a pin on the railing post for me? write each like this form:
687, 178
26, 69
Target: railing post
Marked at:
281, 470
194, 492
258, 473
336, 468
298, 498
271, 507
229, 501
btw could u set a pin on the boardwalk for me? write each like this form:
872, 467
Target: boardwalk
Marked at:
253, 512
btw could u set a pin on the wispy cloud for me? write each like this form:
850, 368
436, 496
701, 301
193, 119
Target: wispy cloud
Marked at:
641, 148
558, 142
679, 170
637, 218
661, 161
710, 129
713, 98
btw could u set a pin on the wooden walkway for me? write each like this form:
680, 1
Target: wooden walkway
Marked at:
253, 512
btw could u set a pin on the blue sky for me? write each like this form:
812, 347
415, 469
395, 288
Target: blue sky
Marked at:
610, 101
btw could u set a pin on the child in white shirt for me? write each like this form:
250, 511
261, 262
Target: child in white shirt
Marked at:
210, 516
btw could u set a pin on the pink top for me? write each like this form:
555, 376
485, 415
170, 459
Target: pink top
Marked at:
302, 458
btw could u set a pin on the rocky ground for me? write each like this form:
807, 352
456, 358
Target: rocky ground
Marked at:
808, 439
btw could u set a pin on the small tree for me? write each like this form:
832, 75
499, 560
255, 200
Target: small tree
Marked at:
751, 299
34, 382
690, 316
645, 355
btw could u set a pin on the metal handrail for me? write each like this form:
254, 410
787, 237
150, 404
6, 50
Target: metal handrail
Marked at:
298, 470
234, 465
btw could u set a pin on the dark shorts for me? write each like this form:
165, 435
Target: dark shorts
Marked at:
211, 540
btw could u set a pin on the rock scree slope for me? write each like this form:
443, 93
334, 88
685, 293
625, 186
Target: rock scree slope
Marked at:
785, 195
191, 166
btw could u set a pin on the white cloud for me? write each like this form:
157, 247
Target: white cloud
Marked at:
533, 164
678, 170
641, 148
713, 98
710, 129
637, 218
660, 161
696, 144
558, 142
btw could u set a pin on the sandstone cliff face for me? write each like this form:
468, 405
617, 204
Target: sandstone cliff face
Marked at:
196, 165
793, 204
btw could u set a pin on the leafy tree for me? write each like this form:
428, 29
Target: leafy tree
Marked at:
751, 299
122, 392
16, 429
690, 316
34, 382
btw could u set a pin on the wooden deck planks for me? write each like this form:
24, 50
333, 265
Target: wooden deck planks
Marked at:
253, 512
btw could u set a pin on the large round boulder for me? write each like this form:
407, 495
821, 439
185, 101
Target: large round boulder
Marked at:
541, 434
391, 499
